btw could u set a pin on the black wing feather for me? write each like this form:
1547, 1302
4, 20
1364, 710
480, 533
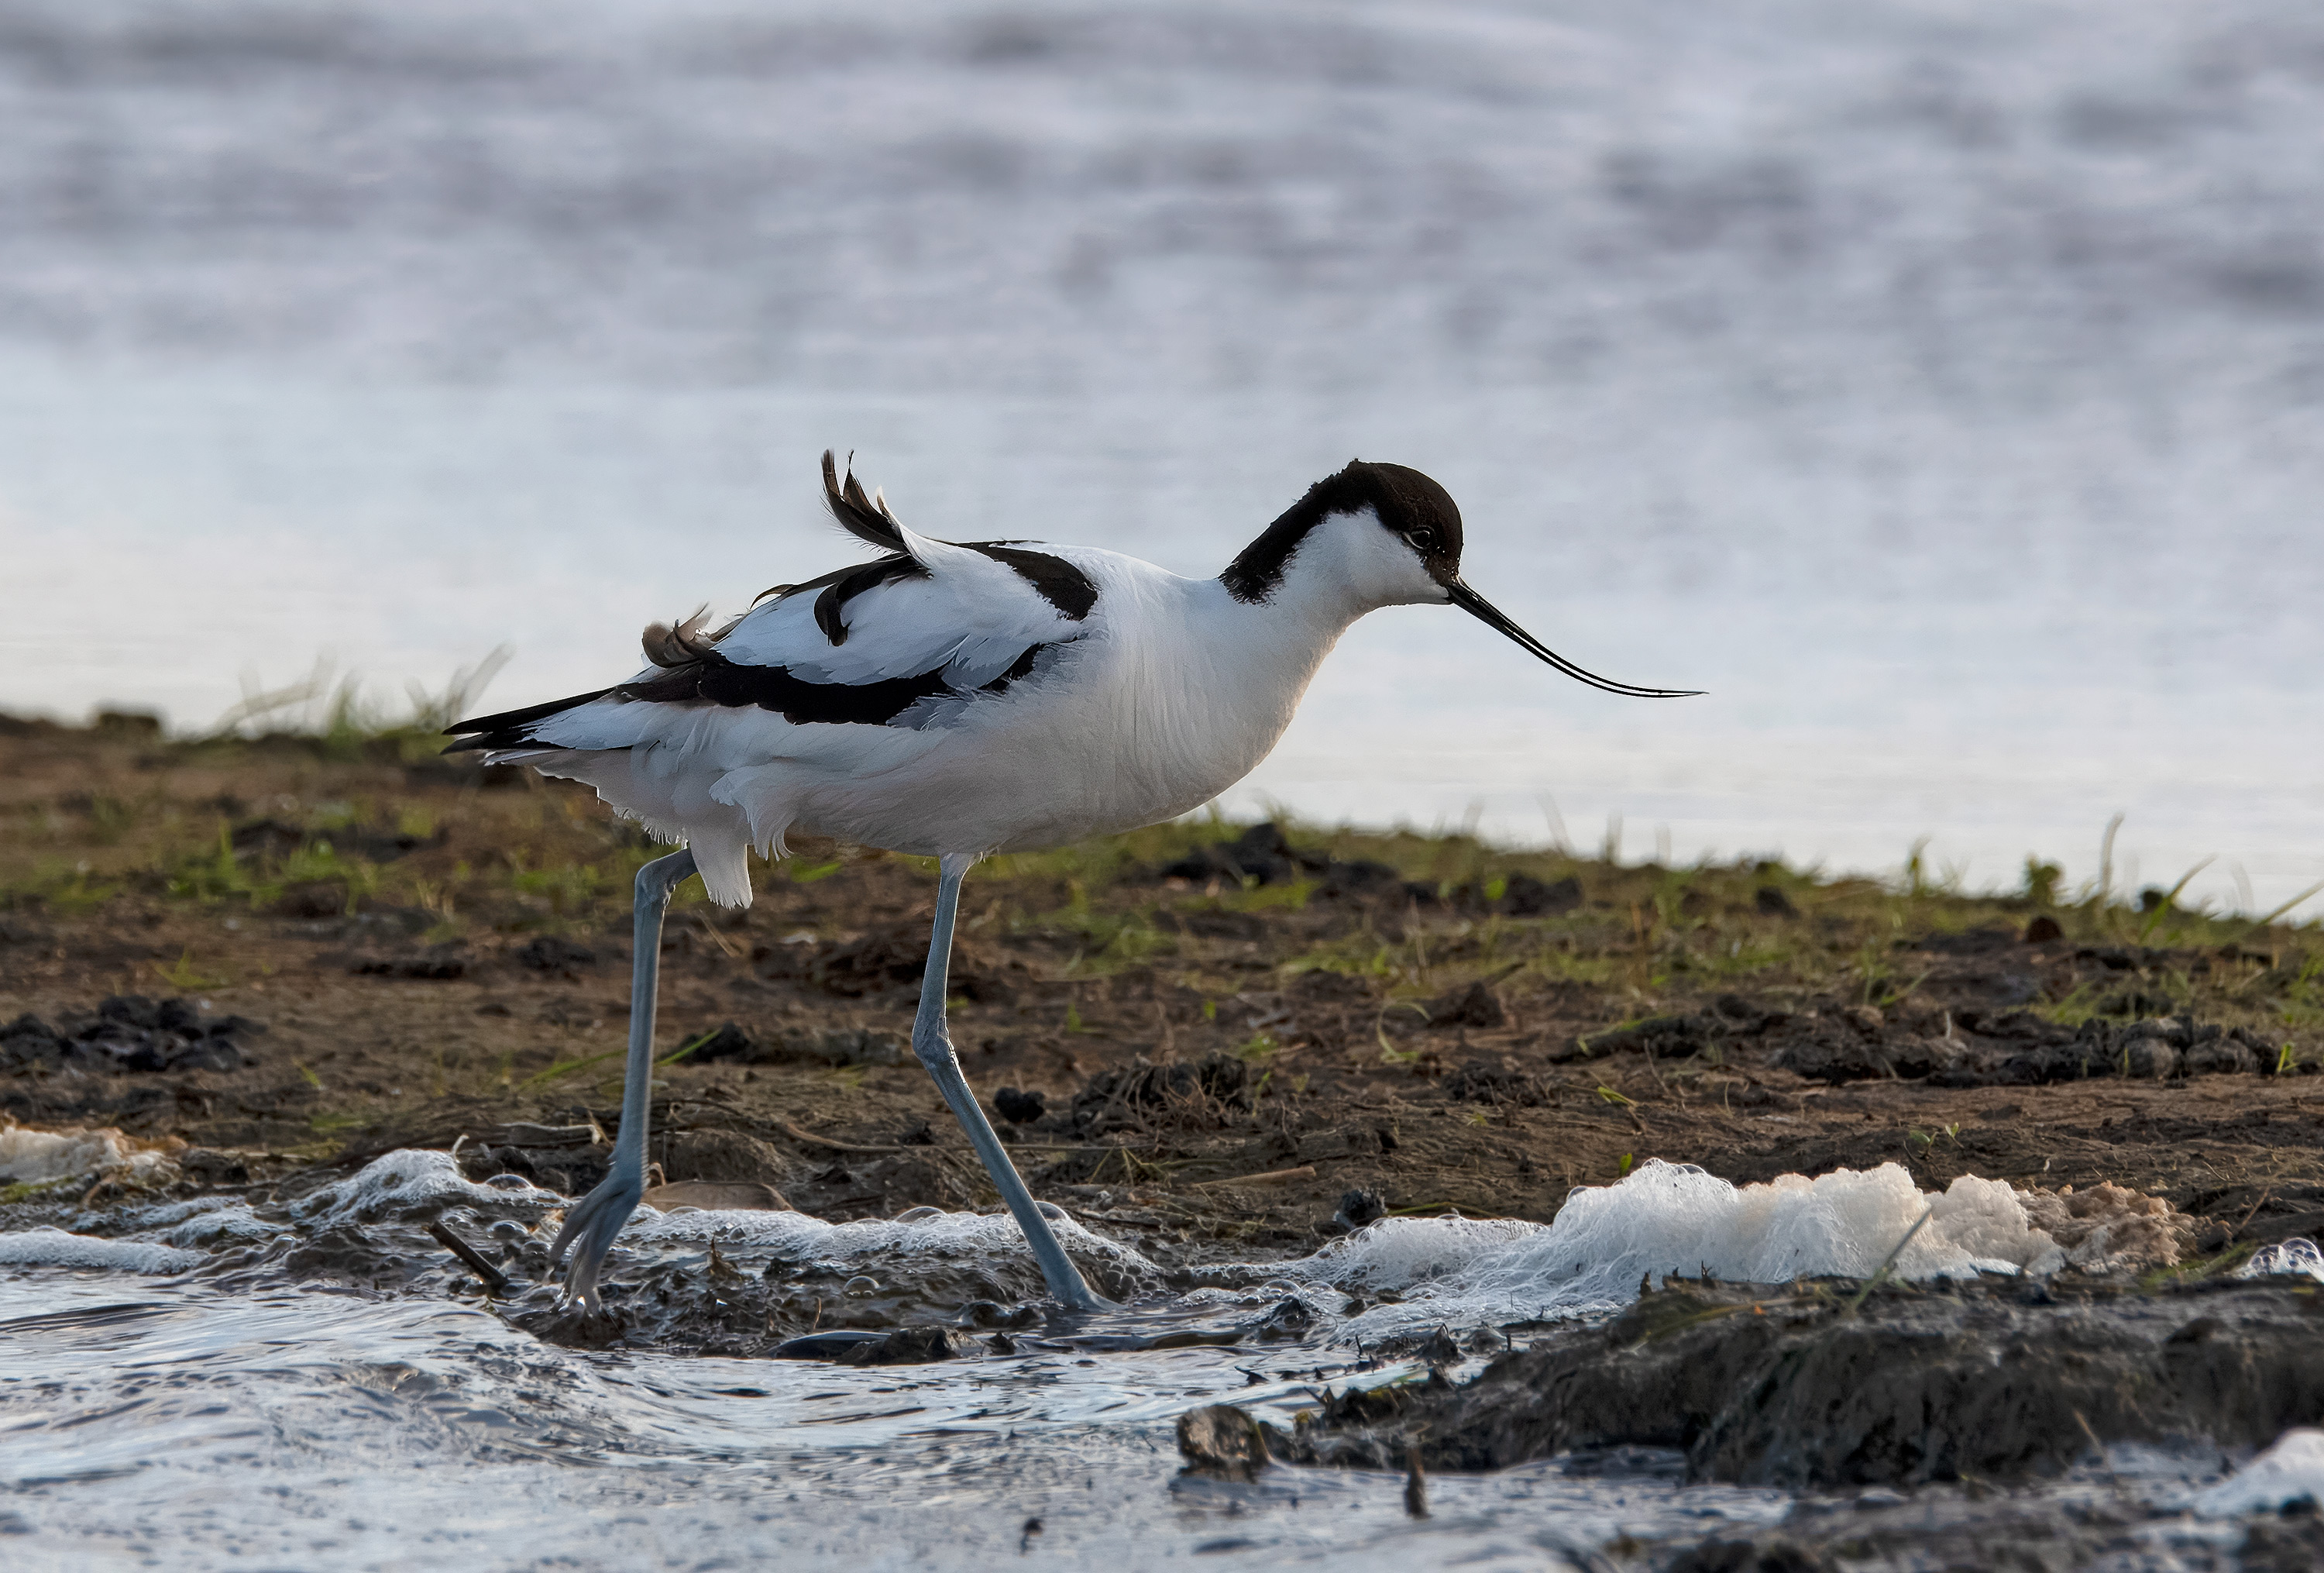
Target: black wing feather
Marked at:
511, 728
842, 587
857, 514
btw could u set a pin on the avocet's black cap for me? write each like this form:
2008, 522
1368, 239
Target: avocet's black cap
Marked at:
1417, 509
1404, 500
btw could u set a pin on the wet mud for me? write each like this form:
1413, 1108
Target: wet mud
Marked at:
1822, 1384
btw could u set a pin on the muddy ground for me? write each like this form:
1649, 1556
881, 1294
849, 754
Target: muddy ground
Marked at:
1821, 1384
1969, 1396
294, 954
278, 959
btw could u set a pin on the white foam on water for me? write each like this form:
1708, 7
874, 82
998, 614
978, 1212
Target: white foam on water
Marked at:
413, 1183
52, 1248
1661, 1220
922, 1235
2291, 1259
218, 1228
409, 1182
1672, 1218
194, 1220
2290, 1470
197, 1222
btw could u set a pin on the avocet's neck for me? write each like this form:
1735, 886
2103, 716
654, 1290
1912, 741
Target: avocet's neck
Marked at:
1260, 630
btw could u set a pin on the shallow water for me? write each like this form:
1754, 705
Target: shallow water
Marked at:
173, 1425
1934, 382
231, 1414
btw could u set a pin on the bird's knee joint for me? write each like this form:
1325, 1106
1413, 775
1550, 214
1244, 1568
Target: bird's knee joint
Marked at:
935, 1051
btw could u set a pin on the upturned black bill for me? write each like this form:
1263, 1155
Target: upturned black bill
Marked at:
1477, 606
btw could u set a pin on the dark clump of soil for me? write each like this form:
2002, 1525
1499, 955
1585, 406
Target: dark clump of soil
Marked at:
889, 960
435, 963
130, 1033
558, 957
1212, 1091
1018, 1106
1802, 1387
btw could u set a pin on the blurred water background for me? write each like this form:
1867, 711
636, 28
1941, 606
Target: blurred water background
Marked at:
1936, 382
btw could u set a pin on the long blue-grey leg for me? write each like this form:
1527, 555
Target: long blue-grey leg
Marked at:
590, 1227
932, 1041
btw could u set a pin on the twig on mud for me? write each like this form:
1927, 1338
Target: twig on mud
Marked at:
494, 1280
1273, 1176
2105, 1463
1131, 1162
2250, 1213
834, 1143
1652, 1069
1121, 1088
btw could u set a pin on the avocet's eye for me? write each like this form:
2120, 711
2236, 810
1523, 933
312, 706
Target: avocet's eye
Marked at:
1423, 539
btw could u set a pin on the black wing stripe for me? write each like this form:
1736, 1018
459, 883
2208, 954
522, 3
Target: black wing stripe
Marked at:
1060, 583
1064, 586
784, 592
733, 686
844, 587
717, 680
730, 685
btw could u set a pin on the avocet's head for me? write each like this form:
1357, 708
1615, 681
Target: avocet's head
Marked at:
1384, 535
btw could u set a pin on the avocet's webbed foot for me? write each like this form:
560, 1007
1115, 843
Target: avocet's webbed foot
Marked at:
589, 1228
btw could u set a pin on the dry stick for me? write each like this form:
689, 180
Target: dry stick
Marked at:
2250, 1213
495, 1283
1305, 1172
834, 1144
1120, 1086
830, 1142
2105, 1463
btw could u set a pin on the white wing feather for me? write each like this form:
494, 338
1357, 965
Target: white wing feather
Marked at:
970, 615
